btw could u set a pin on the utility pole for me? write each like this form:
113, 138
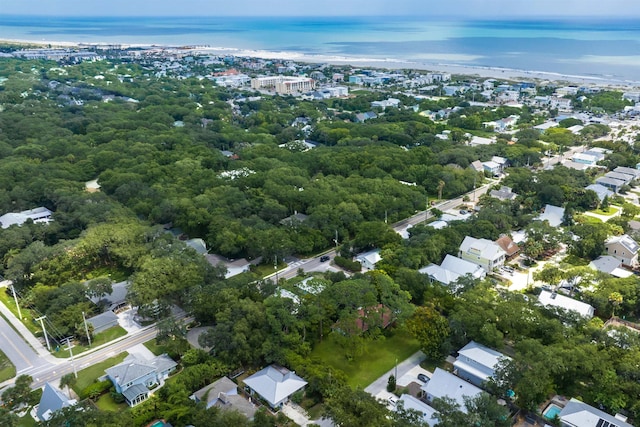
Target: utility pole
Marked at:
385, 216
336, 239
46, 337
275, 267
426, 210
474, 188
75, 372
86, 329
15, 298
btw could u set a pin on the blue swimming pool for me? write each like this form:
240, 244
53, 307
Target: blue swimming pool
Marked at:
551, 411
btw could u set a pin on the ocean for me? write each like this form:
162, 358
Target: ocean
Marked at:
608, 49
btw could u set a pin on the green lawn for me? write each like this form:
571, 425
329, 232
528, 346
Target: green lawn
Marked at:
264, 270
612, 210
7, 370
102, 338
89, 375
155, 348
378, 357
587, 219
27, 421
27, 318
106, 403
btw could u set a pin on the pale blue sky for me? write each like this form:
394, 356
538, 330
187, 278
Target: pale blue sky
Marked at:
453, 8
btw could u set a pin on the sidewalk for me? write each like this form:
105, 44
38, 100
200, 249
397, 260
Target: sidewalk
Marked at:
26, 334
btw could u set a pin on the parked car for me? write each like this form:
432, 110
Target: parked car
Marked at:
393, 401
423, 378
325, 258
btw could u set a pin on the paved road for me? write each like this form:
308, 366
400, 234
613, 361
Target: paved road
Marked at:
17, 350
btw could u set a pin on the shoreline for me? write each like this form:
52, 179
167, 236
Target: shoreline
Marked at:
471, 70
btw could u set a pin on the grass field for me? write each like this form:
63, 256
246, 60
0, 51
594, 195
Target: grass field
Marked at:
7, 370
612, 210
378, 357
102, 338
155, 348
106, 403
27, 318
89, 375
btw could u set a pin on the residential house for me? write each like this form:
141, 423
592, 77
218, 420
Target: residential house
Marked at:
53, 399
451, 269
504, 193
492, 168
508, 246
103, 321
477, 363
584, 158
633, 173
600, 190
552, 214
553, 299
623, 248
274, 384
296, 219
391, 102
503, 162
544, 126
134, 377
483, 252
579, 414
223, 394
610, 265
611, 183
369, 259
233, 267
479, 140
362, 117
39, 215
429, 416
477, 166
116, 300
444, 384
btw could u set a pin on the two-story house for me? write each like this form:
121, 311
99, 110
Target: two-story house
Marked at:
477, 363
623, 248
133, 378
482, 252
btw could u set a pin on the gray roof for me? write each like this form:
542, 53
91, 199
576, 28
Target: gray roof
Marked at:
621, 176
275, 383
212, 391
606, 264
552, 214
52, 400
484, 360
134, 391
579, 414
504, 193
133, 369
117, 296
626, 241
198, 245
600, 190
443, 383
103, 319
628, 171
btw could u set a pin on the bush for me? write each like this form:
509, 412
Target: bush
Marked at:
297, 397
347, 264
117, 397
391, 384
95, 390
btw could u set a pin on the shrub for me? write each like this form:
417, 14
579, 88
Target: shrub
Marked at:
347, 264
95, 390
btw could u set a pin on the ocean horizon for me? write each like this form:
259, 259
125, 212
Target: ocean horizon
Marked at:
606, 49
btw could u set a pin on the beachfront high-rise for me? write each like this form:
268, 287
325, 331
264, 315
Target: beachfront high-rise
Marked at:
284, 85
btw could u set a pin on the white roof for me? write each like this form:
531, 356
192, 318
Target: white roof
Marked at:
372, 257
600, 190
553, 214
577, 413
461, 266
626, 241
40, 214
438, 225
486, 248
275, 383
547, 298
444, 384
429, 415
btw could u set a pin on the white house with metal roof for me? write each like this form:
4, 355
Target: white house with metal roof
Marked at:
408, 402
477, 363
553, 299
600, 190
623, 248
610, 265
275, 384
369, 259
37, 215
482, 252
444, 384
451, 269
552, 214
579, 414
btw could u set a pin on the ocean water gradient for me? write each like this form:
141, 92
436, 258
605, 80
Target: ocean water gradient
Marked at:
579, 47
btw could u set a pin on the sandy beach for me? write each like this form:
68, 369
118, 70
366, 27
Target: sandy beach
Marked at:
390, 63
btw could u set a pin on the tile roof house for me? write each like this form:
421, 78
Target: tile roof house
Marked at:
133, 377
451, 269
53, 399
483, 252
552, 214
444, 384
610, 265
477, 363
508, 246
553, 299
275, 384
579, 414
623, 248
